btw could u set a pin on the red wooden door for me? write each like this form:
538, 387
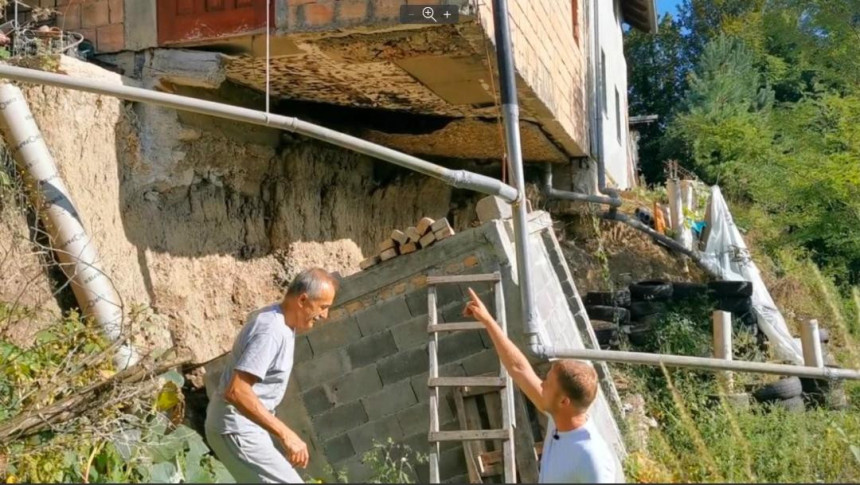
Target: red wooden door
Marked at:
185, 20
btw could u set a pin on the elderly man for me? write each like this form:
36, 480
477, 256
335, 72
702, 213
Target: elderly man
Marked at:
573, 450
241, 427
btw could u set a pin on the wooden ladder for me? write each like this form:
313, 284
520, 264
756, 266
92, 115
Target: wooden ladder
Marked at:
502, 384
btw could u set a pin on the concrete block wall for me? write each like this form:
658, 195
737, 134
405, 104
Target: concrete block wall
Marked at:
363, 374
312, 15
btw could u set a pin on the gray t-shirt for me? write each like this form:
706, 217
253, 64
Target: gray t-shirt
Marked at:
264, 348
577, 456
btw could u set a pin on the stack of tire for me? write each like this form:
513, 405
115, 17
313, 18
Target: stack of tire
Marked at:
637, 310
607, 311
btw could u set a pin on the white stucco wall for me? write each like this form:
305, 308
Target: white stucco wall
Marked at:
611, 115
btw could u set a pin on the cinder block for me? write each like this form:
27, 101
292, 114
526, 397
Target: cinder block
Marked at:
338, 449
419, 382
322, 368
417, 300
492, 207
116, 8
339, 420
389, 400
356, 384
452, 463
459, 346
316, 14
362, 438
481, 363
332, 335
351, 11
303, 350
403, 365
317, 401
383, 316
371, 348
411, 333
355, 470
416, 418
110, 38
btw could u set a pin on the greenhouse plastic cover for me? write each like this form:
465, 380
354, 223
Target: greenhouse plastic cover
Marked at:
727, 254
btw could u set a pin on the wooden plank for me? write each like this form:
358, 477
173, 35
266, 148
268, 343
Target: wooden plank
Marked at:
473, 391
493, 404
455, 327
473, 421
427, 240
464, 278
466, 381
367, 263
468, 447
528, 463
388, 254
399, 236
491, 463
408, 248
386, 245
470, 435
413, 234
423, 225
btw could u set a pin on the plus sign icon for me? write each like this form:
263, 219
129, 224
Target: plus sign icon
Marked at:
429, 14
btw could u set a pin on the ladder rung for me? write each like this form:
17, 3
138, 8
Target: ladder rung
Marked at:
455, 327
470, 435
497, 382
466, 278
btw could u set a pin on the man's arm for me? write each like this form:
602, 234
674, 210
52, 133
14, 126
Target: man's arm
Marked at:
512, 358
240, 393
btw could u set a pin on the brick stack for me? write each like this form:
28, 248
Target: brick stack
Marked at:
422, 235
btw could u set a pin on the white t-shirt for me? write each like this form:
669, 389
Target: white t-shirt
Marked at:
577, 456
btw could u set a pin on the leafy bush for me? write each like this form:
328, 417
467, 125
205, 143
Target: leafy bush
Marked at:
130, 435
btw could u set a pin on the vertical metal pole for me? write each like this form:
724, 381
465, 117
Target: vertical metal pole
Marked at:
268, 53
723, 343
434, 392
810, 338
511, 116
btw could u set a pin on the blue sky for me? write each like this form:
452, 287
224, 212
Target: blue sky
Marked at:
664, 6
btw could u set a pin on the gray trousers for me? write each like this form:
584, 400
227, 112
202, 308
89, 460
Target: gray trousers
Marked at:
252, 458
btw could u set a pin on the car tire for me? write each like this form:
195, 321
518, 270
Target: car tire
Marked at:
651, 290
641, 309
730, 289
608, 298
617, 315
781, 390
688, 291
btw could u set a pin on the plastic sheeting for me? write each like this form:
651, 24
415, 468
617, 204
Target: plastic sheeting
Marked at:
727, 254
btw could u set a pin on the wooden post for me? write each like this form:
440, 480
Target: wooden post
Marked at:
811, 341
723, 343
676, 208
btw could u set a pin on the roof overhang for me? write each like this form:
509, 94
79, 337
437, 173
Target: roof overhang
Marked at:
640, 14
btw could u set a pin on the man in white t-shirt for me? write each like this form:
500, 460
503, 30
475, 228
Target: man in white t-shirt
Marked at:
573, 450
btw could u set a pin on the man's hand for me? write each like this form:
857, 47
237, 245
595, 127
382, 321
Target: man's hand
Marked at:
476, 309
296, 449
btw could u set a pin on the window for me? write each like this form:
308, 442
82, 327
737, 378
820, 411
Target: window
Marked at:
618, 115
575, 9
602, 82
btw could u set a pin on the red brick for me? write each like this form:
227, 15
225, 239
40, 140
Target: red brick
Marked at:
352, 11
296, 3
116, 11
70, 17
111, 38
95, 14
316, 14
387, 9
89, 34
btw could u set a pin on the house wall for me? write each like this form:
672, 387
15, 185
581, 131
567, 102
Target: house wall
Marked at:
610, 75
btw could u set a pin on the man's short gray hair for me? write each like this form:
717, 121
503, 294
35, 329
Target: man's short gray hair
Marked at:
311, 281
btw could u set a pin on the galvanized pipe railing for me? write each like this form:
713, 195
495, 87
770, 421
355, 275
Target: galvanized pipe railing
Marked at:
706, 363
457, 178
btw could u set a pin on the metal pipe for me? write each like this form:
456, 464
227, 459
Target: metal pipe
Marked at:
458, 178
511, 114
552, 193
705, 363
49, 196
